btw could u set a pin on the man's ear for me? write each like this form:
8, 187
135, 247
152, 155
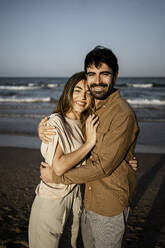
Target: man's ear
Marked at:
116, 76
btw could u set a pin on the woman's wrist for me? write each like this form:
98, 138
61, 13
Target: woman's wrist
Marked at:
89, 144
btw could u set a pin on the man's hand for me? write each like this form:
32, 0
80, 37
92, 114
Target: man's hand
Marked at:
46, 172
134, 164
44, 130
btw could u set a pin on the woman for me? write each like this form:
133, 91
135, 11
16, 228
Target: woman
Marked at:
53, 203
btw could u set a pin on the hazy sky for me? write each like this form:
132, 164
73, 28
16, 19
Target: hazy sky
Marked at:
52, 37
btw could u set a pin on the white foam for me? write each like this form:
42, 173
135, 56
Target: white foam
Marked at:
52, 85
22, 115
12, 87
146, 102
13, 99
140, 85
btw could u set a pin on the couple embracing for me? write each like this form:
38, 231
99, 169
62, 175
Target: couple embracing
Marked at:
92, 136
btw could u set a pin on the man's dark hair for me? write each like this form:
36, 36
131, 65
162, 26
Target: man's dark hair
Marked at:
100, 55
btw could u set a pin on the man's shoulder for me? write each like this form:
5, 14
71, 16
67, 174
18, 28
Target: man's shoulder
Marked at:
123, 113
124, 106
118, 105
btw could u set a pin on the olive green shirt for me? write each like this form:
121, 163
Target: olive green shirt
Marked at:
109, 180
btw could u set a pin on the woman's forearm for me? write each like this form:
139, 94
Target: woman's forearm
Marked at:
63, 162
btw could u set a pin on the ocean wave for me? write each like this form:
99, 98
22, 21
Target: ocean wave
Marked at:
52, 85
146, 102
18, 87
28, 100
30, 86
22, 115
139, 85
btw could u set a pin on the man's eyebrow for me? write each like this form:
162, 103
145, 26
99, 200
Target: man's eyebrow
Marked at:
106, 72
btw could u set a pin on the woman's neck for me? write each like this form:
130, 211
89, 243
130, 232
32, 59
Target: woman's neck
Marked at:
73, 115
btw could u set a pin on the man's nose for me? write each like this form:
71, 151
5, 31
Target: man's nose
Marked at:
97, 80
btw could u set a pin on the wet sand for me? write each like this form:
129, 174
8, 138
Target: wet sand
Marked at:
19, 175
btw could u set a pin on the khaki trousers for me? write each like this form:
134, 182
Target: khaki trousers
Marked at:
48, 218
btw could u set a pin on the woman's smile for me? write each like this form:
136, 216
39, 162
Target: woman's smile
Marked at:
81, 103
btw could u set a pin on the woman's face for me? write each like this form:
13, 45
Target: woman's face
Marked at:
81, 98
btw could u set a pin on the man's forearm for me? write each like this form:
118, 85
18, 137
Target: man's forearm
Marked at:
80, 175
63, 162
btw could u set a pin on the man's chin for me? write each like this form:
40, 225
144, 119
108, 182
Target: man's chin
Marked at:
99, 95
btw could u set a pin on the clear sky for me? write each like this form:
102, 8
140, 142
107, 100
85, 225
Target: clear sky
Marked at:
52, 37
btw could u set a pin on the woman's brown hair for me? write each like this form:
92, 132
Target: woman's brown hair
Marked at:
65, 102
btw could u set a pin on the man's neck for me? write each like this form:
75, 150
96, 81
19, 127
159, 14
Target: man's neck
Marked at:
97, 101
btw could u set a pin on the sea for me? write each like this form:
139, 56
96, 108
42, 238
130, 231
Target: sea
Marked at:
24, 101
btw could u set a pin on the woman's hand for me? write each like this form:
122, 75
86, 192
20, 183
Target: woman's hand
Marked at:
44, 130
134, 164
92, 123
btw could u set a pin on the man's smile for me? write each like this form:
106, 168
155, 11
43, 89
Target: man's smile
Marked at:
98, 88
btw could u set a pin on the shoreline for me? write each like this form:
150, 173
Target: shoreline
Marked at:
33, 142
151, 138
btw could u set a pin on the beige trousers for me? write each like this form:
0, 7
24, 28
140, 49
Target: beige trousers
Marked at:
48, 218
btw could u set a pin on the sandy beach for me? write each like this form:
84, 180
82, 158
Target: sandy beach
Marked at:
19, 170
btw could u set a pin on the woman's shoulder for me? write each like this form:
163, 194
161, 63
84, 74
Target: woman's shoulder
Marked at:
55, 119
56, 116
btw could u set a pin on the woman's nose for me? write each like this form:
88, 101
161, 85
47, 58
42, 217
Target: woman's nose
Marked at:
83, 95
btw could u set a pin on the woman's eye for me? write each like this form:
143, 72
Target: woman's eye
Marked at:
88, 93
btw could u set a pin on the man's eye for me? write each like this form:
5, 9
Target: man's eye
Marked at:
88, 93
107, 74
90, 74
76, 90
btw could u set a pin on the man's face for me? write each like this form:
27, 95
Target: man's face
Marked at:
100, 80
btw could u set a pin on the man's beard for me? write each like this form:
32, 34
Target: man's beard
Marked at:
101, 95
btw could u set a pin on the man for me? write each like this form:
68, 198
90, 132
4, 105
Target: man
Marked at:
109, 181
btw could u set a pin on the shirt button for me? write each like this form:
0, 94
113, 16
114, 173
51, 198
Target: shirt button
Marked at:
90, 188
91, 156
104, 106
